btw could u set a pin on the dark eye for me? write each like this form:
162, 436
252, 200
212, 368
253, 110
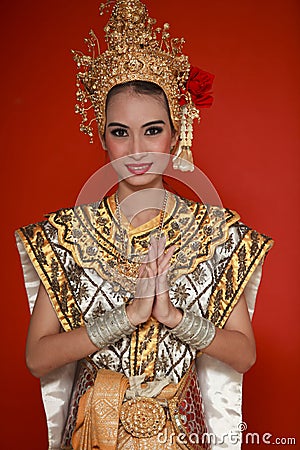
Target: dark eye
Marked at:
119, 132
152, 131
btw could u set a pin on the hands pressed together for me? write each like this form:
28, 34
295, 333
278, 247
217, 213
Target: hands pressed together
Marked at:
47, 348
152, 289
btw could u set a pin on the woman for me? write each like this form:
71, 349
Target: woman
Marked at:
135, 287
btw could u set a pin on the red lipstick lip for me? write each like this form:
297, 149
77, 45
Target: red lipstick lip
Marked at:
138, 169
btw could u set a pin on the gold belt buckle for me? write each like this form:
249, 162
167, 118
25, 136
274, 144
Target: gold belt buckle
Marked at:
143, 417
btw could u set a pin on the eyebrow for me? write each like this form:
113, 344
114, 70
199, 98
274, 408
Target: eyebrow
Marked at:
117, 124
154, 122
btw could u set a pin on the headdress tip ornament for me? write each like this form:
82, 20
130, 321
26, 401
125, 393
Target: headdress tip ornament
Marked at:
137, 51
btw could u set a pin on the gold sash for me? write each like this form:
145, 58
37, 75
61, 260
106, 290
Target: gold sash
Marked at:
100, 405
98, 426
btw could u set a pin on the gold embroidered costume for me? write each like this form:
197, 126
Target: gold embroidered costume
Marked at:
150, 389
74, 253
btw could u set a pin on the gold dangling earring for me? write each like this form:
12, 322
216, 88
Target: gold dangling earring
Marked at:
183, 158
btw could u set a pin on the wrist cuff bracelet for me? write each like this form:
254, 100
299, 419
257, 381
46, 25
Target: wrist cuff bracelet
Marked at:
109, 327
195, 330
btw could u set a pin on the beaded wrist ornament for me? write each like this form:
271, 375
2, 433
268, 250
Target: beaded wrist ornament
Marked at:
109, 327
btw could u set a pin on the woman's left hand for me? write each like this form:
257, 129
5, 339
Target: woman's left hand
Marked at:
163, 310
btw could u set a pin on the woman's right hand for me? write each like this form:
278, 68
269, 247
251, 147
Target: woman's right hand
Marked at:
152, 290
140, 309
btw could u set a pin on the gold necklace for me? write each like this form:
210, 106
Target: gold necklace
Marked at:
129, 266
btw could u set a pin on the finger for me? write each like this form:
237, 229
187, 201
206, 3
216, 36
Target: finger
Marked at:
145, 259
166, 260
142, 271
145, 286
162, 282
161, 245
170, 252
152, 255
163, 268
145, 271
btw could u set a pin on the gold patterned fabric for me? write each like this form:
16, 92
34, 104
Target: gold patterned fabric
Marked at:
100, 406
75, 253
248, 252
98, 426
91, 234
51, 270
165, 440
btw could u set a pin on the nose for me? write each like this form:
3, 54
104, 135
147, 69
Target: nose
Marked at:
136, 149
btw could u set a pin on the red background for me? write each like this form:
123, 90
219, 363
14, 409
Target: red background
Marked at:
247, 144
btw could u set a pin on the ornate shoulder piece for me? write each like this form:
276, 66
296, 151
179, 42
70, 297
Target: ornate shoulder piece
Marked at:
199, 230
90, 233
243, 253
38, 241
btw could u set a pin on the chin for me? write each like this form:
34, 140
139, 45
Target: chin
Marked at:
144, 180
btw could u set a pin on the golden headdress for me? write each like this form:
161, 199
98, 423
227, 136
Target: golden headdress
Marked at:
137, 51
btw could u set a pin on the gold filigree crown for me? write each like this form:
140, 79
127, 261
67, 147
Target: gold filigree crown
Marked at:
136, 51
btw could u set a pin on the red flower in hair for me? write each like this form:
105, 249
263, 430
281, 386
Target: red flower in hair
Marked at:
199, 85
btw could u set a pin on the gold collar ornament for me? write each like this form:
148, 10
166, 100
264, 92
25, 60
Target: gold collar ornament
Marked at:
137, 51
129, 265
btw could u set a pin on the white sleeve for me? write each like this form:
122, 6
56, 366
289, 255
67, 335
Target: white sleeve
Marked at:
56, 386
221, 388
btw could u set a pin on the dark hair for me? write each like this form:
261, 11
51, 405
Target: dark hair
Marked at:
142, 88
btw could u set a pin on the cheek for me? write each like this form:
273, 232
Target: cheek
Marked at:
163, 145
112, 153
114, 149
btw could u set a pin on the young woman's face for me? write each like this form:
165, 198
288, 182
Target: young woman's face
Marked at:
137, 133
